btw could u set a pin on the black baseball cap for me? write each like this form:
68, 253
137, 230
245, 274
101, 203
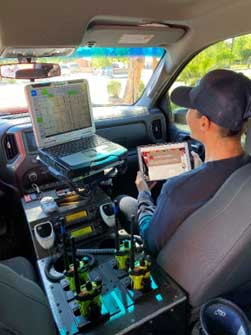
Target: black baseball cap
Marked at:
223, 96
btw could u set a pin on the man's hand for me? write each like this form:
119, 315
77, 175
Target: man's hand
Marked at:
141, 183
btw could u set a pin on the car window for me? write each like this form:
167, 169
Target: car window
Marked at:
233, 54
116, 76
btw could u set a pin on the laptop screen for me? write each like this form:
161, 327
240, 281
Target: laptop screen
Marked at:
60, 111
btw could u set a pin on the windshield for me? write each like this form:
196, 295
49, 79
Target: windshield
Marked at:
116, 76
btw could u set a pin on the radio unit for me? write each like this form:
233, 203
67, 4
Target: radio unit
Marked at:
81, 217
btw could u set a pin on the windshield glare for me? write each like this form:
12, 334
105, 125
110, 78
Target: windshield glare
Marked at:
116, 76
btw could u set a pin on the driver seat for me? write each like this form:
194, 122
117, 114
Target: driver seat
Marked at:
210, 253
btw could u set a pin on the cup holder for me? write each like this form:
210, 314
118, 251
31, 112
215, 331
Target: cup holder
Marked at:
59, 264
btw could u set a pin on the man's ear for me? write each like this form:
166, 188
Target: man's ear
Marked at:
204, 123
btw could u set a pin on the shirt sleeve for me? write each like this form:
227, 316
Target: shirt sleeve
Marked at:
158, 222
146, 205
146, 208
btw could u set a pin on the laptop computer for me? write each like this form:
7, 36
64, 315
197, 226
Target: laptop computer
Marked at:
64, 128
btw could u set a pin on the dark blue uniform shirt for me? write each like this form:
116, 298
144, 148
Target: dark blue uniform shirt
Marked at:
180, 197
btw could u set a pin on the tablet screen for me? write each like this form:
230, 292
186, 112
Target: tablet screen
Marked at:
162, 161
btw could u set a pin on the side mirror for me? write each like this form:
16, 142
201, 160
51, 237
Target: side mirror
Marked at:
180, 116
30, 71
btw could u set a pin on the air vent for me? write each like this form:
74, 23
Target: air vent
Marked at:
157, 129
10, 146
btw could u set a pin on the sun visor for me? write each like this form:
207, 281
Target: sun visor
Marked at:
35, 52
150, 34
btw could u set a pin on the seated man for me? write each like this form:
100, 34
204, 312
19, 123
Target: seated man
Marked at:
217, 110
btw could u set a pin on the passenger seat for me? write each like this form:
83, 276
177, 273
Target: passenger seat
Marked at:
21, 266
23, 305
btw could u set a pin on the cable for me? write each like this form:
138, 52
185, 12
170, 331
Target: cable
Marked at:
87, 195
61, 177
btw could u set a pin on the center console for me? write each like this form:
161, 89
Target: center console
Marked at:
99, 280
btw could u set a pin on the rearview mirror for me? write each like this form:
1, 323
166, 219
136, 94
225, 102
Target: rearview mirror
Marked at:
29, 71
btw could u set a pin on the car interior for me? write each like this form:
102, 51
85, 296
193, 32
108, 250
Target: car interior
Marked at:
66, 264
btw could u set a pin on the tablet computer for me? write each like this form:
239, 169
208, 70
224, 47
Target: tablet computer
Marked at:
162, 161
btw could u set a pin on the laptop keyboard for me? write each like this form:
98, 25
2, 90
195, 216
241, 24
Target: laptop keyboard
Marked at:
68, 148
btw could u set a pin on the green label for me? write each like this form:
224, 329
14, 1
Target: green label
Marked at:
44, 91
39, 119
72, 92
82, 231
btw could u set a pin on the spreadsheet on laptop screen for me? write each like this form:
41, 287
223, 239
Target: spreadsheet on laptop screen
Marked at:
60, 109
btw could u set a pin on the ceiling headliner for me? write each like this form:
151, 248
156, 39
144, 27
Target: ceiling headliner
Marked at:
62, 23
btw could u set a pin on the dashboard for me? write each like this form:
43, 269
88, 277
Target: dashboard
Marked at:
20, 167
